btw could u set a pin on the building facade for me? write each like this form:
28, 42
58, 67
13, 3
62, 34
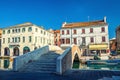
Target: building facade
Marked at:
113, 45
118, 37
57, 37
0, 39
20, 39
90, 36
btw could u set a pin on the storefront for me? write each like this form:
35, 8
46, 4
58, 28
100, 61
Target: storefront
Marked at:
98, 48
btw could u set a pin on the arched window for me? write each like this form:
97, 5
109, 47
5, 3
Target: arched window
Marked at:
29, 29
16, 51
26, 49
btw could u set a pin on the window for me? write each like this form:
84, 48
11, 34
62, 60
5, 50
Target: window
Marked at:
12, 39
41, 31
41, 39
91, 30
3, 40
44, 33
36, 30
13, 31
92, 40
67, 41
102, 29
35, 39
18, 30
74, 31
103, 51
67, 31
29, 29
75, 40
3, 31
83, 41
15, 39
23, 39
83, 31
8, 31
63, 41
62, 32
18, 39
103, 39
30, 39
23, 29
8, 40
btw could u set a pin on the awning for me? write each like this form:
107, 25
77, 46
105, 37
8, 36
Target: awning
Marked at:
98, 46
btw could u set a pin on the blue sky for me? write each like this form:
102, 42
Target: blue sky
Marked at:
52, 13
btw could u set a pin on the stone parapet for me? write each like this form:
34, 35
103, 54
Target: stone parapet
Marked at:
20, 61
64, 62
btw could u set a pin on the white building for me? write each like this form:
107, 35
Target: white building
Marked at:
22, 38
91, 35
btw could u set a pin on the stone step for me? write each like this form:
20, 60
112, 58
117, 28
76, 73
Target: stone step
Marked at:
46, 63
107, 78
46, 58
46, 69
45, 66
116, 77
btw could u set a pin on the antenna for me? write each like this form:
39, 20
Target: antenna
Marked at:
88, 18
65, 19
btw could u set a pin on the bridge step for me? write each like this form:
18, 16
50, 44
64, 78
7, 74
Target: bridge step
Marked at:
45, 64
113, 78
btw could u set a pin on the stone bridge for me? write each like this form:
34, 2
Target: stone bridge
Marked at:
49, 59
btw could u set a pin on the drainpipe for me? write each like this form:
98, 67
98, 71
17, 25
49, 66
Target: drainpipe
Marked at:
71, 35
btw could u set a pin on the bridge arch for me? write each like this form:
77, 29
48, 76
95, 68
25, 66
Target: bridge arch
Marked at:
75, 52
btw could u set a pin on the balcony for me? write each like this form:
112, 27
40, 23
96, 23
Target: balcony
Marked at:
14, 44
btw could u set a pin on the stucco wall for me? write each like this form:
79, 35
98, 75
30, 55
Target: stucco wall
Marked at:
97, 34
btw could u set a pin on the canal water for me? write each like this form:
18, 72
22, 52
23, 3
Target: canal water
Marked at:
6, 64
78, 65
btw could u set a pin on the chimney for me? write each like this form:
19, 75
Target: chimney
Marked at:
105, 19
64, 24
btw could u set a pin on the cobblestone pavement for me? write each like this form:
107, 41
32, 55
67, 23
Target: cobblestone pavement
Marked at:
69, 75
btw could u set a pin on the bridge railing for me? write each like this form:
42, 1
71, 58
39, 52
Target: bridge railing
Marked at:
20, 61
64, 62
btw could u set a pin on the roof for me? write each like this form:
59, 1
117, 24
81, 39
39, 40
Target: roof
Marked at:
21, 25
57, 31
112, 39
84, 24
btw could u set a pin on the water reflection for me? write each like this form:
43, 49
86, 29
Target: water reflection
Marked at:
77, 65
6, 64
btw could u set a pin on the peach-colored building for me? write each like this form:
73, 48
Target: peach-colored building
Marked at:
57, 37
118, 37
113, 44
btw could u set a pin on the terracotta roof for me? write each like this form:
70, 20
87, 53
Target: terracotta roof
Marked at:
57, 31
84, 24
